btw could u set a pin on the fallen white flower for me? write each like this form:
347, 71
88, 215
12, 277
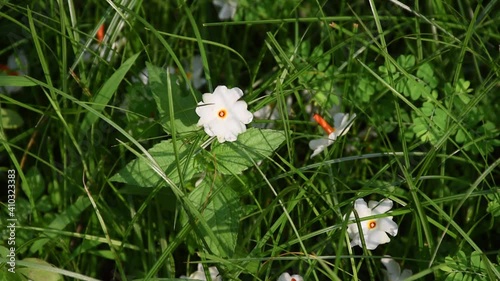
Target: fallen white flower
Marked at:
342, 124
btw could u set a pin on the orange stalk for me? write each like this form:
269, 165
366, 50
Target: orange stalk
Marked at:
328, 129
100, 33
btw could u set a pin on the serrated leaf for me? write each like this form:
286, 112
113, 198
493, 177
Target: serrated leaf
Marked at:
219, 205
252, 146
11, 119
139, 172
184, 104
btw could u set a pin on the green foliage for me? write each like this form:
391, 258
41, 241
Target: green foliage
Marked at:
140, 172
11, 119
91, 140
252, 147
463, 267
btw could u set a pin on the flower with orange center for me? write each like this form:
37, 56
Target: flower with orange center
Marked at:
342, 123
222, 114
286, 277
374, 231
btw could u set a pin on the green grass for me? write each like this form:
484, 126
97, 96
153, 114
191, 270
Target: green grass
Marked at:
114, 180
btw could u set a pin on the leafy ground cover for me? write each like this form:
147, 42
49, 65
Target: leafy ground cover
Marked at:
372, 131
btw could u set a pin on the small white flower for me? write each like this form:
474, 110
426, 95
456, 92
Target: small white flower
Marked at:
194, 71
17, 65
342, 124
286, 277
227, 8
270, 112
200, 274
222, 114
393, 272
374, 230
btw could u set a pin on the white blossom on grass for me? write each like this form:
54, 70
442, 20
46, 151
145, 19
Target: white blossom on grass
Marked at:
194, 71
286, 277
222, 114
17, 65
342, 124
272, 113
393, 272
374, 230
200, 274
227, 8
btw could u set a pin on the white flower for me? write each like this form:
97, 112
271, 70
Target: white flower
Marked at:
17, 65
270, 112
286, 277
393, 272
222, 115
342, 124
194, 71
227, 8
374, 230
200, 274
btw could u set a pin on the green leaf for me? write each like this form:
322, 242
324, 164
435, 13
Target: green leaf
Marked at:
365, 89
37, 274
406, 62
11, 119
35, 184
252, 146
493, 204
71, 214
104, 95
16, 81
220, 207
139, 172
426, 73
184, 104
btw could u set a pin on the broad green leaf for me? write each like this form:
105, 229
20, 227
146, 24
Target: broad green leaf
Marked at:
104, 95
139, 172
11, 119
37, 274
141, 112
71, 214
220, 207
184, 104
252, 146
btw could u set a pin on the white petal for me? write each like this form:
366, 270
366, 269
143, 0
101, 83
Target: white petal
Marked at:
387, 225
284, 277
361, 208
296, 277
240, 112
338, 119
375, 238
392, 266
381, 207
405, 274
